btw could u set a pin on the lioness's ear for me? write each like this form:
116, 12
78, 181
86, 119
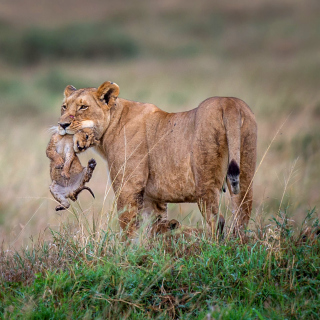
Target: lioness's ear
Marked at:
108, 92
68, 90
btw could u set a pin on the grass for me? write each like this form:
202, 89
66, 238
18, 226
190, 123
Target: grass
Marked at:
86, 272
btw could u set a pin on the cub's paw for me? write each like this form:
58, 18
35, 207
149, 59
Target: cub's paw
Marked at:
60, 208
92, 164
59, 164
65, 174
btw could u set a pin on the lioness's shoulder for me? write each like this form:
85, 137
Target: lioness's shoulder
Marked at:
151, 108
139, 108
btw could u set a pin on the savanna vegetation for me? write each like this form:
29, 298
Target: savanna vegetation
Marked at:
85, 272
173, 54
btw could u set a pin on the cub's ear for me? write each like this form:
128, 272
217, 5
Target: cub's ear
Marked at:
96, 141
108, 92
174, 224
69, 90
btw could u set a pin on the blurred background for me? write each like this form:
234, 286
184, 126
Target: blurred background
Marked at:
174, 54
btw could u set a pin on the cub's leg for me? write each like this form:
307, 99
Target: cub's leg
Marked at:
209, 208
58, 193
89, 170
69, 157
86, 178
52, 154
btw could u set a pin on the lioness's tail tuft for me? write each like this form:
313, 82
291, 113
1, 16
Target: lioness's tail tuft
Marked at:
233, 175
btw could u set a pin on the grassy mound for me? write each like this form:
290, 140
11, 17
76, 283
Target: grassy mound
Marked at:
84, 275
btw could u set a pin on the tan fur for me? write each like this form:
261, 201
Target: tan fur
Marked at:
173, 226
67, 174
157, 157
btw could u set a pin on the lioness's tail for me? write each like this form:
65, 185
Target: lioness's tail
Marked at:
232, 122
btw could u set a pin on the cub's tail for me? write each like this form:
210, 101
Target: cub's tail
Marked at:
232, 123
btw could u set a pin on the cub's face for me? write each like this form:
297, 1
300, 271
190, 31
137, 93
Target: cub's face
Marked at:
164, 226
83, 139
87, 108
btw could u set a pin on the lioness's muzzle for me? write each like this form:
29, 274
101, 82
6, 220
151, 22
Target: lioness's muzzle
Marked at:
64, 125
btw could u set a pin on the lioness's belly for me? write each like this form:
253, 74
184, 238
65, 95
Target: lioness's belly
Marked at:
174, 185
171, 177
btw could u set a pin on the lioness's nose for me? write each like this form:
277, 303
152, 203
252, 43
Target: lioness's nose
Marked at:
64, 125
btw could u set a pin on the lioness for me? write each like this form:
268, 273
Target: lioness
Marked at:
156, 157
67, 174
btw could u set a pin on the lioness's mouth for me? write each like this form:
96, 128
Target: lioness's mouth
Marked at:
61, 131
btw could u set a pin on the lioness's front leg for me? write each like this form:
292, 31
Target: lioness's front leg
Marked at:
130, 206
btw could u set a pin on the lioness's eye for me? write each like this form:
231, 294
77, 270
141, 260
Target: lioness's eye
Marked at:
87, 137
64, 107
83, 107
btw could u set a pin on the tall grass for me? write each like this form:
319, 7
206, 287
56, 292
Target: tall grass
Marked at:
85, 270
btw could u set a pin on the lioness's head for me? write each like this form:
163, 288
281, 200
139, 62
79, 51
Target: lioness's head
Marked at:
87, 108
83, 139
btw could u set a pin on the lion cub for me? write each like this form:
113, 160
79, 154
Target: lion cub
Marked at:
67, 174
173, 226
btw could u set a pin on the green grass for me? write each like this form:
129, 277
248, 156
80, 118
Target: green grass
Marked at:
274, 275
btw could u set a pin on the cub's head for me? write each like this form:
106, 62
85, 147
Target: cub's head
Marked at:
164, 226
87, 108
83, 139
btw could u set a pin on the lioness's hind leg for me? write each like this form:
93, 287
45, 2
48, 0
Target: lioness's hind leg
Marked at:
242, 202
241, 207
209, 208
